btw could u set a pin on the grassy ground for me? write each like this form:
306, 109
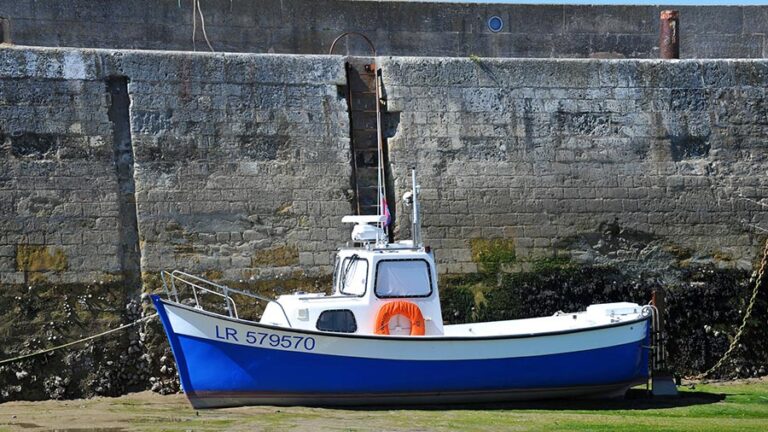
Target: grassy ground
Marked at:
741, 406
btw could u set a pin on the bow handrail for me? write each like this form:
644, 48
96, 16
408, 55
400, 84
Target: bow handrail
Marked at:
197, 283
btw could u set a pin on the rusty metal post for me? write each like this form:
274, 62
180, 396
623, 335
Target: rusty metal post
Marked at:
669, 34
662, 381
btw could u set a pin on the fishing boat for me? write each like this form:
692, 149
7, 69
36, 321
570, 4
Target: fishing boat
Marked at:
379, 338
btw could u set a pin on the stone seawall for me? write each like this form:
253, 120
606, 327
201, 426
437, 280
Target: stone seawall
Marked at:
117, 164
237, 164
402, 28
59, 188
545, 156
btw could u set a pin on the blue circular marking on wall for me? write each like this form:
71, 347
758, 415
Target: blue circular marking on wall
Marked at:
495, 24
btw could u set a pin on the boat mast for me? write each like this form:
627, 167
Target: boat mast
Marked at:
415, 221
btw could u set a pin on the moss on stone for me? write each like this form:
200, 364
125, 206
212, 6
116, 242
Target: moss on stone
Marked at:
722, 256
185, 249
680, 252
550, 263
280, 256
40, 258
151, 282
491, 254
213, 274
293, 282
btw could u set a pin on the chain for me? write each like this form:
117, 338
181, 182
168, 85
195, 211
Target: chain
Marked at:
747, 314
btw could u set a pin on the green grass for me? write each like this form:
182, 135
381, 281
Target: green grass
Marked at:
711, 407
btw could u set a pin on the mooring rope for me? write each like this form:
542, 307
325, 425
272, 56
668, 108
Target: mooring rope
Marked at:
747, 315
96, 336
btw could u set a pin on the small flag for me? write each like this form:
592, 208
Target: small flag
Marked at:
385, 211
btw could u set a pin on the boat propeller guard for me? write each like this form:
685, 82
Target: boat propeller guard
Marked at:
404, 308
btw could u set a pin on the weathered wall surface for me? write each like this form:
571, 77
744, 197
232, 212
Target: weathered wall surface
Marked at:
58, 183
235, 166
525, 158
241, 162
396, 27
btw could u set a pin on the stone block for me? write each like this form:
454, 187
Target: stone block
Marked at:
707, 20
618, 19
718, 45
240, 262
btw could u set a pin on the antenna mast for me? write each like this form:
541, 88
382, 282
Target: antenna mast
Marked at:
416, 221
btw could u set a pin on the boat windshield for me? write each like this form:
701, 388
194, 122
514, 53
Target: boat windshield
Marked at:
353, 275
403, 278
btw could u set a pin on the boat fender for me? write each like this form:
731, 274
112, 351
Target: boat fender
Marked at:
405, 308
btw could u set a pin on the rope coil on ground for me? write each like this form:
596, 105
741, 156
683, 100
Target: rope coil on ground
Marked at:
747, 315
96, 336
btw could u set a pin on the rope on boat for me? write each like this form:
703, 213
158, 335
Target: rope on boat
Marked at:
96, 336
747, 315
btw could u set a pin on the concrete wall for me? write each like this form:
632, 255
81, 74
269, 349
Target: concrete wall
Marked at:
58, 188
242, 161
546, 156
399, 28
239, 163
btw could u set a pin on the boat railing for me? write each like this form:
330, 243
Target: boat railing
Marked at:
198, 285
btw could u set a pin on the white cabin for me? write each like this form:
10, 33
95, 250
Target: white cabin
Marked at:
378, 288
364, 279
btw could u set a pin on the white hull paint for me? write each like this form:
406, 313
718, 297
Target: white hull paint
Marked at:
195, 323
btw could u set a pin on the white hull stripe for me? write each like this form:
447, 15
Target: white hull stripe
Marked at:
192, 323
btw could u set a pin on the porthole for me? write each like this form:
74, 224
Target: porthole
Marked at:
495, 24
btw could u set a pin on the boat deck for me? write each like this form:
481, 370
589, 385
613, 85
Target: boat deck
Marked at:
558, 323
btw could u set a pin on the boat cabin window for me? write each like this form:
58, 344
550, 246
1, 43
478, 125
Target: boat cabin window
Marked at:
340, 320
353, 275
403, 278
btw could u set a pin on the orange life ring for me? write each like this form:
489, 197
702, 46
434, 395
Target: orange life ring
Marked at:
405, 308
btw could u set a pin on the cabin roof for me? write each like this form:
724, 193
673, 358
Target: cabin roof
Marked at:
382, 253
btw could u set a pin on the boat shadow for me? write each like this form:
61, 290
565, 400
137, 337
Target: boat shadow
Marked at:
635, 400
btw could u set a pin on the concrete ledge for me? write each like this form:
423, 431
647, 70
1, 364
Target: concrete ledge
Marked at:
396, 27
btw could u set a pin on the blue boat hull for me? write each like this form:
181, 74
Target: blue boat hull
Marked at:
218, 372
